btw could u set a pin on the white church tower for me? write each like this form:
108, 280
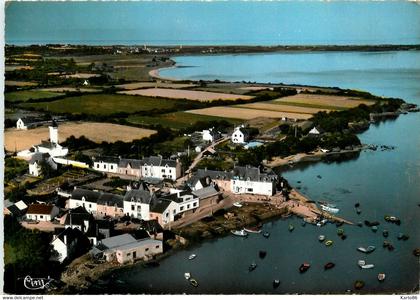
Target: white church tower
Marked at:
53, 132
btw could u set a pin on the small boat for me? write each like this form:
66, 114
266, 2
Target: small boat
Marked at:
193, 282
330, 209
256, 229
357, 204
328, 243
343, 237
374, 228
318, 176
359, 284
291, 227
239, 232
381, 276
266, 234
262, 254
187, 276
237, 204
368, 266
340, 231
329, 265
386, 244
322, 222
385, 233
390, 247
361, 263
367, 250
304, 267
276, 283
403, 237
252, 267
321, 238
192, 256
358, 211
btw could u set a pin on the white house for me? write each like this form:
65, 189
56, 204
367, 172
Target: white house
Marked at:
239, 135
211, 135
157, 167
41, 212
84, 198
35, 163
106, 164
249, 180
20, 124
184, 200
137, 203
65, 244
316, 131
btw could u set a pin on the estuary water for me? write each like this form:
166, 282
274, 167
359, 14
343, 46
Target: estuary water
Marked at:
383, 182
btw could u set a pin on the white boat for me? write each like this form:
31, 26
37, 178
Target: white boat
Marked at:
239, 232
187, 276
368, 266
237, 204
366, 250
322, 222
381, 276
361, 263
329, 208
321, 238
192, 256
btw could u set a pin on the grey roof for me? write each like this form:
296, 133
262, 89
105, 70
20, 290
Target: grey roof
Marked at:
46, 144
134, 163
221, 175
118, 241
253, 174
203, 180
139, 185
206, 192
14, 210
109, 199
159, 205
78, 216
107, 159
144, 242
90, 196
38, 157
71, 235
159, 161
141, 196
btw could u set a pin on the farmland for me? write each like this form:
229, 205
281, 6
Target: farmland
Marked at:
281, 107
103, 104
27, 95
97, 132
177, 120
246, 114
323, 101
149, 84
186, 94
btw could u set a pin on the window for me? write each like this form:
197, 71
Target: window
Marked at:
147, 249
104, 166
97, 165
188, 206
194, 204
167, 214
250, 190
163, 170
174, 211
128, 254
157, 246
112, 167
170, 171
132, 207
90, 205
181, 208
41, 216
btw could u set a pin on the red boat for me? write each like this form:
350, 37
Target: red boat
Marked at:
304, 267
255, 229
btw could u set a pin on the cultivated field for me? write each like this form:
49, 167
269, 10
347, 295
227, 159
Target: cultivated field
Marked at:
98, 132
282, 107
176, 120
185, 94
81, 75
19, 83
32, 94
141, 85
70, 89
246, 113
324, 101
103, 104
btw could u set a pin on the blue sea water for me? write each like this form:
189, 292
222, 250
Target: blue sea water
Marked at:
210, 23
383, 182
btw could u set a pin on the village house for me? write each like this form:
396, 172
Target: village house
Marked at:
110, 205
106, 164
240, 135
125, 248
211, 135
65, 244
36, 161
163, 211
157, 167
130, 167
22, 124
316, 131
137, 203
208, 195
85, 198
41, 212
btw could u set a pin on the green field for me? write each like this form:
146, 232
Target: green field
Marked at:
330, 107
104, 104
27, 95
177, 120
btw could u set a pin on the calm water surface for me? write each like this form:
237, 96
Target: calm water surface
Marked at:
385, 182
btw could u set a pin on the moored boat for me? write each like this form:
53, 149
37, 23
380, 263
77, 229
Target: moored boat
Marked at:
340, 231
385, 233
237, 204
252, 267
276, 283
361, 263
255, 229
291, 227
192, 256
262, 254
358, 211
239, 232
321, 238
187, 275
367, 250
266, 234
329, 265
193, 282
374, 228
304, 267
328, 243
329, 208
381, 276
368, 266
343, 237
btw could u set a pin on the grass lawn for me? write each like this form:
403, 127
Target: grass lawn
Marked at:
27, 95
177, 120
9, 254
104, 104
